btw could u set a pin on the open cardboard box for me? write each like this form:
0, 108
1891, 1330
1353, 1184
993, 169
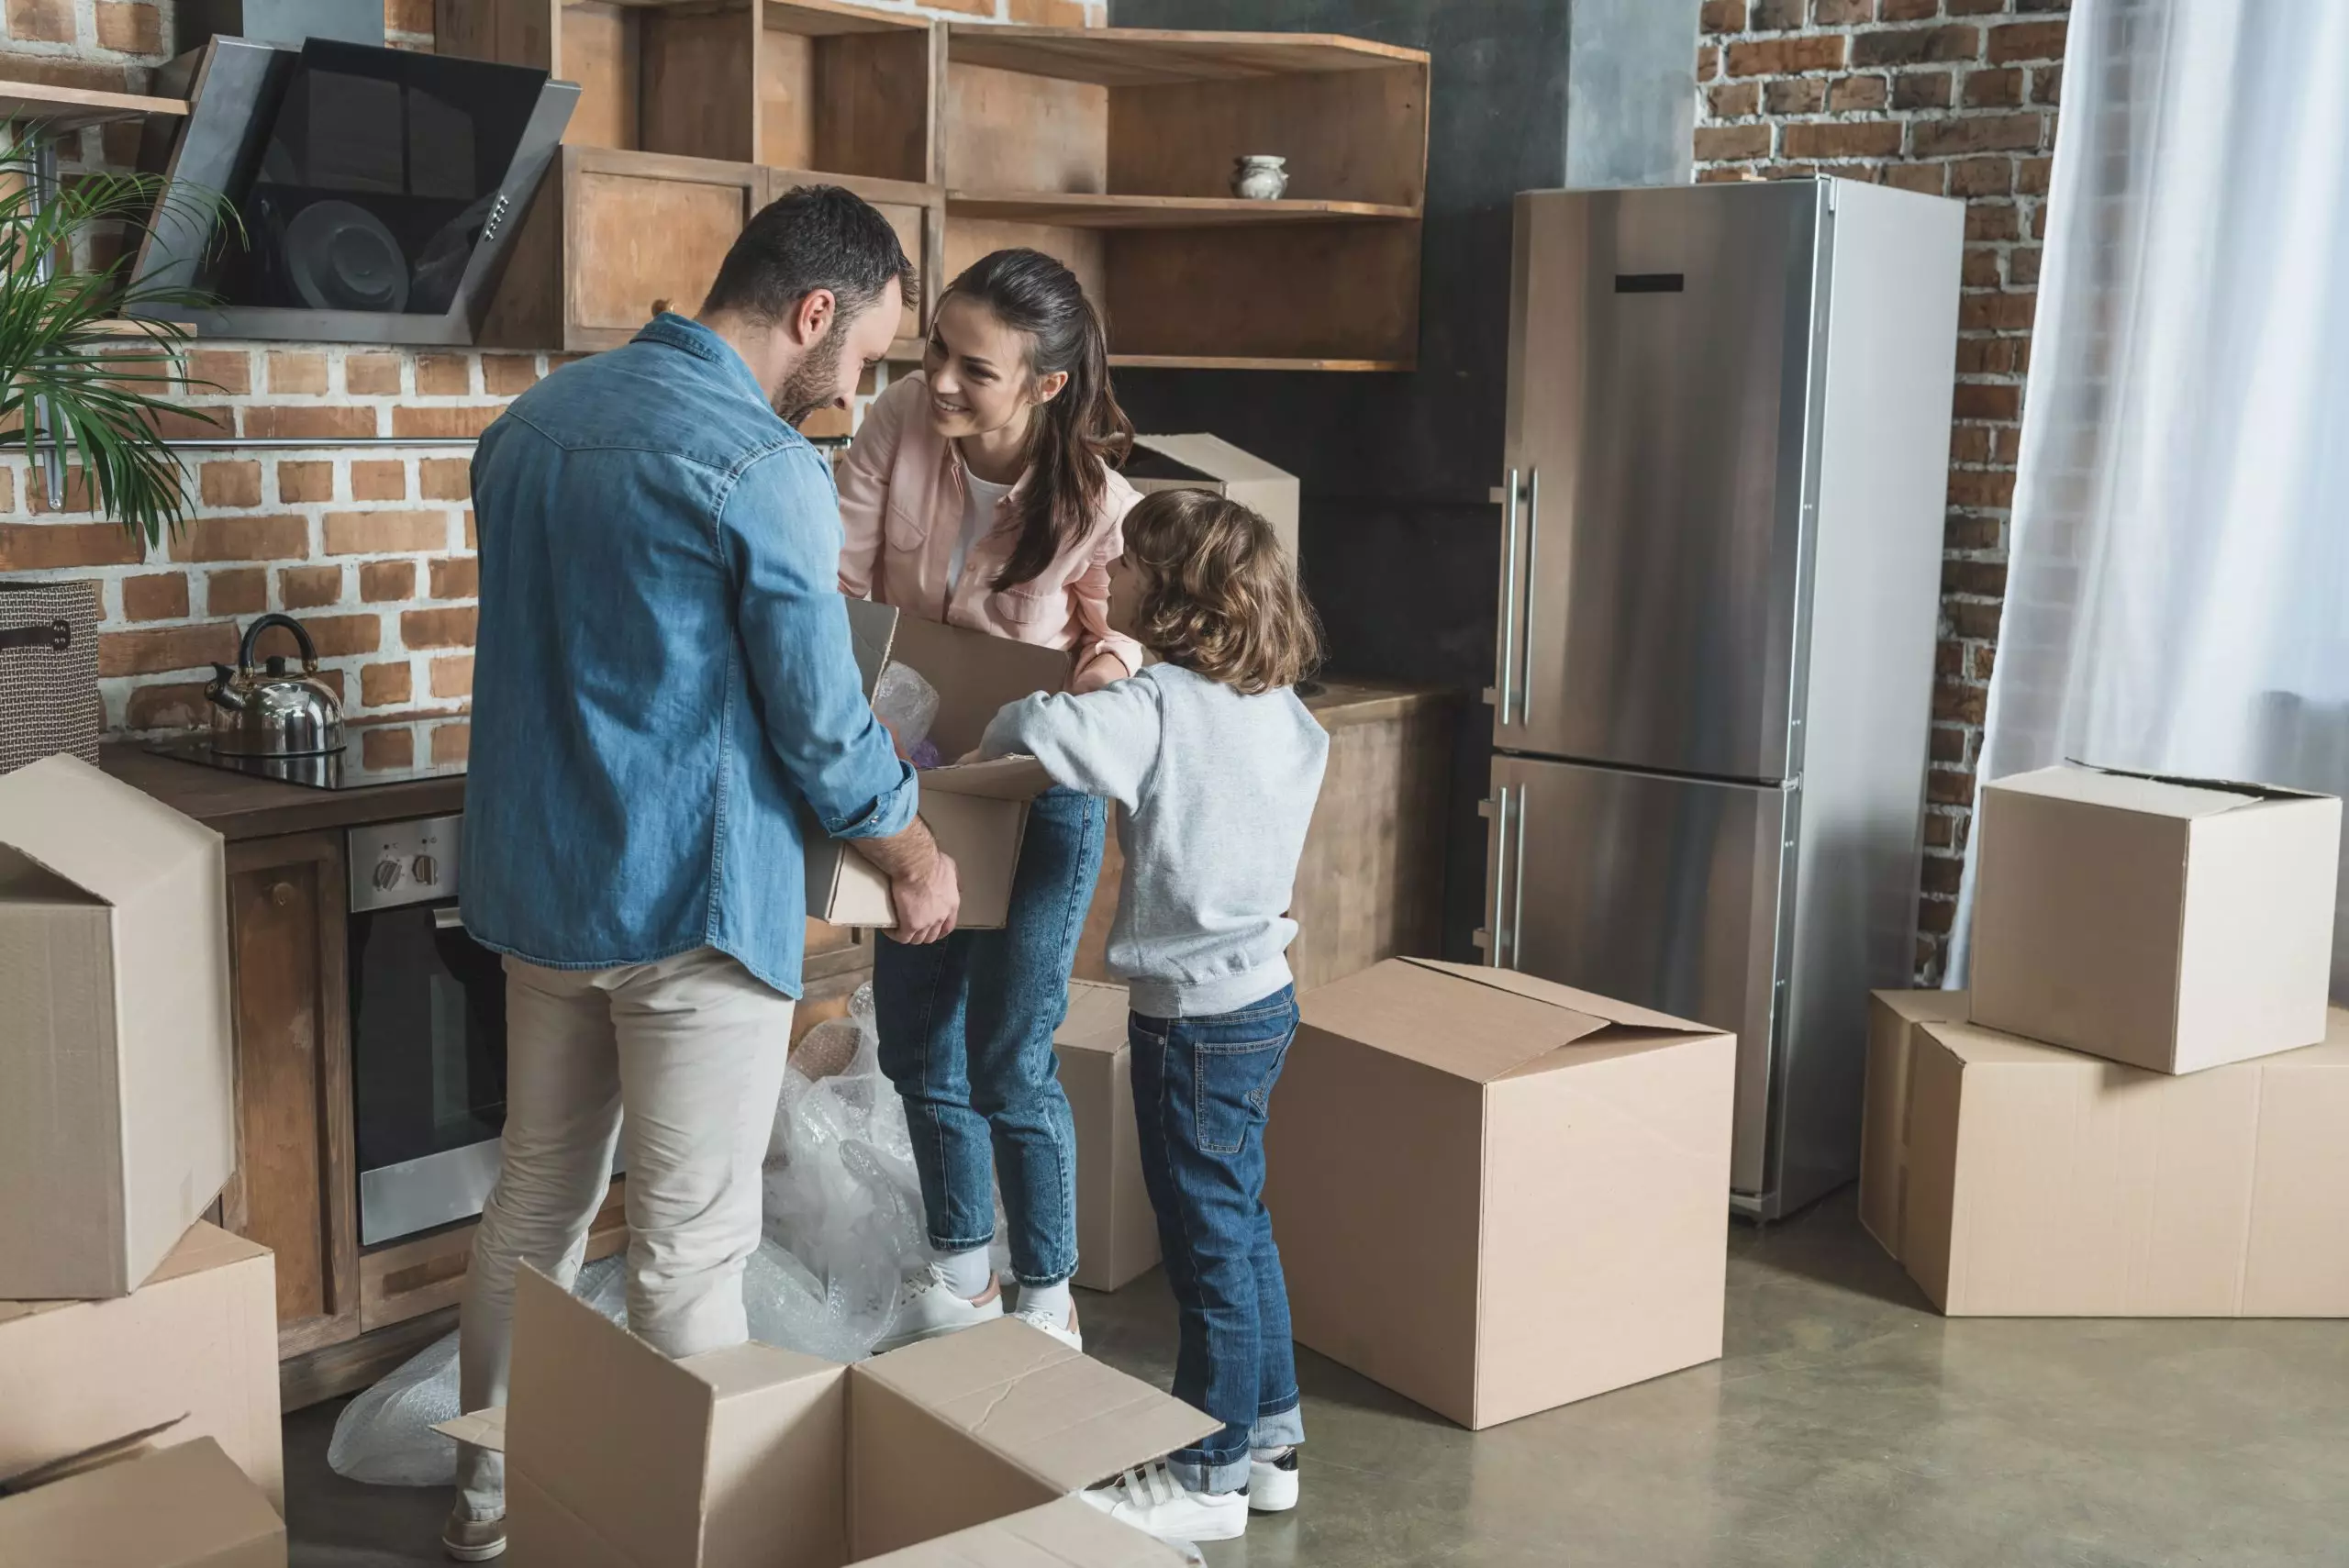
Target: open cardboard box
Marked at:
1559, 1162
755, 1457
116, 1105
126, 1506
978, 811
1207, 463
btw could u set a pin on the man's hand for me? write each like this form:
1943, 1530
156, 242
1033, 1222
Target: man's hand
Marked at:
923, 887
927, 901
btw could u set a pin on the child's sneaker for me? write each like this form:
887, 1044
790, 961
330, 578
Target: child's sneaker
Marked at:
1152, 1500
1066, 1331
929, 1306
1272, 1480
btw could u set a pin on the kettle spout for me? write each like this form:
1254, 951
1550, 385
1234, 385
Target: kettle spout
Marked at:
223, 690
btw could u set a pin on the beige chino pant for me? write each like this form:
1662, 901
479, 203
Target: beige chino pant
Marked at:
691, 1050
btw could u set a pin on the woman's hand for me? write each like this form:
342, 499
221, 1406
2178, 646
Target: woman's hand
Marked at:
1098, 672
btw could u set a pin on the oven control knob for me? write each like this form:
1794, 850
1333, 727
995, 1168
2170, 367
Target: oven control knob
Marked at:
425, 869
388, 875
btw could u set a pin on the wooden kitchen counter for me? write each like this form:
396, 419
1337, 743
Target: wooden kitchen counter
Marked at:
238, 806
1370, 885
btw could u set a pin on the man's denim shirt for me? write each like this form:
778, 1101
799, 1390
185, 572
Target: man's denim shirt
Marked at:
663, 673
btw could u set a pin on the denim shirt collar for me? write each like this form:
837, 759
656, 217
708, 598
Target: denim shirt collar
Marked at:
676, 331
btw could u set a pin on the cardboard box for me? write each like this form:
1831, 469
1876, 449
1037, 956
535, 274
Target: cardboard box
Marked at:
1117, 1231
1212, 463
198, 1341
183, 1507
979, 812
1066, 1534
615, 1455
1893, 1018
117, 1115
1496, 1194
2045, 1184
2171, 923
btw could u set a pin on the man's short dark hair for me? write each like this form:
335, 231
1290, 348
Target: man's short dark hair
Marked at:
814, 237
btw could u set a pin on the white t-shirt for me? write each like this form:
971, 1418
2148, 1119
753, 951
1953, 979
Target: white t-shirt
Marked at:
980, 498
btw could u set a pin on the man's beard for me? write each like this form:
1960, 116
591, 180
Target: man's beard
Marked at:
814, 383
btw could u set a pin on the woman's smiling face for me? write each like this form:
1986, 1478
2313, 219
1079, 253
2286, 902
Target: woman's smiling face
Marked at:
977, 372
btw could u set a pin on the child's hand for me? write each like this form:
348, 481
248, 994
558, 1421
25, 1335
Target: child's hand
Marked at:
1098, 672
973, 755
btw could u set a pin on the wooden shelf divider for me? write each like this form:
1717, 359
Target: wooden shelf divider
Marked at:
72, 109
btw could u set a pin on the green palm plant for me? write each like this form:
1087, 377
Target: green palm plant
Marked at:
83, 357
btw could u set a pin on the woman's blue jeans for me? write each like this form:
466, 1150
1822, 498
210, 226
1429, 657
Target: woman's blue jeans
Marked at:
966, 1035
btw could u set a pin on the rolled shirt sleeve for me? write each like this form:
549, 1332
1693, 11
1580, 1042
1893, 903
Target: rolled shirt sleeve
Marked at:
779, 529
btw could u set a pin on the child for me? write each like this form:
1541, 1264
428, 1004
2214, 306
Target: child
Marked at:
1214, 765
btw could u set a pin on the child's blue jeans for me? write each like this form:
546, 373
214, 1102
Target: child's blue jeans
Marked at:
1202, 1088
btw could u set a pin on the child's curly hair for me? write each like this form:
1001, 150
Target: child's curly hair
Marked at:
1217, 594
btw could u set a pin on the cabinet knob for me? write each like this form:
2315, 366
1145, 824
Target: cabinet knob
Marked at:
281, 894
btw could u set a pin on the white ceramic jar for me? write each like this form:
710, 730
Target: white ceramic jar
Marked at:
1259, 177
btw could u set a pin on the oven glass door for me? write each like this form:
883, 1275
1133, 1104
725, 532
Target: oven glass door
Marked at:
427, 1007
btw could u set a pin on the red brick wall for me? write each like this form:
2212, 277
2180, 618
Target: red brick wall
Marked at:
373, 548
1956, 97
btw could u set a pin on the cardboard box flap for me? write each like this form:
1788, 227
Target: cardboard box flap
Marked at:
1050, 1411
482, 1428
1209, 457
104, 1453
976, 675
870, 628
104, 837
1004, 778
1479, 1024
2231, 786
1064, 1534
1097, 1019
2147, 794
186, 1504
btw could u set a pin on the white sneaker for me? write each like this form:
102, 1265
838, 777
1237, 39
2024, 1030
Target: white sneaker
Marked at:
1272, 1480
1067, 1333
466, 1539
1152, 1500
929, 1306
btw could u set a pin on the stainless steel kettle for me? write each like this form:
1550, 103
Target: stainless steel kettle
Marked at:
269, 712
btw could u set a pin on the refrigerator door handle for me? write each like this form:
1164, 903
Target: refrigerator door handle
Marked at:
1516, 878
1492, 948
1525, 634
1504, 695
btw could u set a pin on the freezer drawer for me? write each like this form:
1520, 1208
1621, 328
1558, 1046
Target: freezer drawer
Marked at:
1666, 891
1658, 453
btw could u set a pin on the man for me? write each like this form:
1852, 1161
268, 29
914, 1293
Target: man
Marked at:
664, 678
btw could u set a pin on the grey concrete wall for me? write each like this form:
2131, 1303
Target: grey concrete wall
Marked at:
1400, 546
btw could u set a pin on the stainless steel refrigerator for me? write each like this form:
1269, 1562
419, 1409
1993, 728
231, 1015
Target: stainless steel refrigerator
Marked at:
1727, 451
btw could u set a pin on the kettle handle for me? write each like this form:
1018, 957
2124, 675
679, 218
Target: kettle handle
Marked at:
301, 639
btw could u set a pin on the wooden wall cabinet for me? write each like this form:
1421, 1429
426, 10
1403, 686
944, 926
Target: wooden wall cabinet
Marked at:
1110, 148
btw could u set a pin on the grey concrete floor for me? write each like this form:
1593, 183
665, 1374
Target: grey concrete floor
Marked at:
1847, 1425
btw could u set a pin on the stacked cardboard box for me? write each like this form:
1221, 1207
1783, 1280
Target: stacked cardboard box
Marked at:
1117, 1231
957, 1451
1558, 1162
2137, 1111
125, 1321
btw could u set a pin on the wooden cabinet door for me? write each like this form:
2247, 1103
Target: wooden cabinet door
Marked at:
295, 1188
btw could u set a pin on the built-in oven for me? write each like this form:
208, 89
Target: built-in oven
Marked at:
428, 1034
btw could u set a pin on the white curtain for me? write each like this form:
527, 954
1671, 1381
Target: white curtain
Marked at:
2177, 590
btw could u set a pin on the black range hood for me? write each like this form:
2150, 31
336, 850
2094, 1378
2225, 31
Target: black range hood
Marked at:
378, 188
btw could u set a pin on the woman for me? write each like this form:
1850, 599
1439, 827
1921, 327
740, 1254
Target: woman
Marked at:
980, 493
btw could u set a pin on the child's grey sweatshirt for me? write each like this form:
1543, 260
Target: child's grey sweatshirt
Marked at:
1214, 793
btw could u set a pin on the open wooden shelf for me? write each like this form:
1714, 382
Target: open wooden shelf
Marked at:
72, 109
1235, 362
1111, 149
1085, 209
